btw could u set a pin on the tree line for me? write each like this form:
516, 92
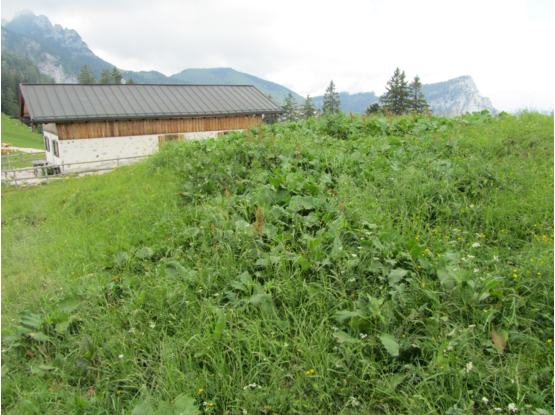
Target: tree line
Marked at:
86, 76
400, 97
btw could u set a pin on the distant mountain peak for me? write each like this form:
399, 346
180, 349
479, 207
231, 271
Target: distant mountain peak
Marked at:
40, 28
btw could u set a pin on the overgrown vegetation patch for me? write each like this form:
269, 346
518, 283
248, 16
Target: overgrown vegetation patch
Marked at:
340, 265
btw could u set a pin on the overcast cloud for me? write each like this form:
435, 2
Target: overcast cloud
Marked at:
506, 46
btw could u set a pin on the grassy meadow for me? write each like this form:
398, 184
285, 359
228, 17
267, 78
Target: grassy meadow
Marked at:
18, 134
331, 266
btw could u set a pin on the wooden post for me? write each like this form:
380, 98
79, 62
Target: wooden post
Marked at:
8, 157
15, 177
21, 154
7, 182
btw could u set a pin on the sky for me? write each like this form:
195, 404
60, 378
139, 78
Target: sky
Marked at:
505, 46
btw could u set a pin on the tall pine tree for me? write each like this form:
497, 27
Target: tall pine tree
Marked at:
115, 76
331, 100
86, 76
289, 108
309, 110
396, 98
105, 77
417, 100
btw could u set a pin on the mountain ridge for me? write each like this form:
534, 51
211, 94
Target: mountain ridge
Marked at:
61, 53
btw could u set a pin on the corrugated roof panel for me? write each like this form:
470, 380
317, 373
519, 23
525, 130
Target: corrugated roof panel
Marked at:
73, 102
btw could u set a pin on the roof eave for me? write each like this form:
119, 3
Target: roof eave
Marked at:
144, 117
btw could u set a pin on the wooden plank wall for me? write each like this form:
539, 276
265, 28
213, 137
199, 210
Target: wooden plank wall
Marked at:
123, 128
50, 127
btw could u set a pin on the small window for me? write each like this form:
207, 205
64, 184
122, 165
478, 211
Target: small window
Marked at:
56, 149
47, 143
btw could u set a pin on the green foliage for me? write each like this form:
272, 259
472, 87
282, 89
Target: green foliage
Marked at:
330, 265
129, 81
396, 97
331, 100
86, 76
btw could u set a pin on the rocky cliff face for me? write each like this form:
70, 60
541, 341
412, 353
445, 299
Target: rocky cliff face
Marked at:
26, 23
456, 96
46, 60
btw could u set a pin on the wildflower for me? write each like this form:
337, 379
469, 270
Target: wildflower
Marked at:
132, 330
498, 409
476, 245
486, 400
550, 341
311, 370
362, 335
285, 345
152, 325
354, 255
468, 367
200, 390
476, 270
512, 407
120, 356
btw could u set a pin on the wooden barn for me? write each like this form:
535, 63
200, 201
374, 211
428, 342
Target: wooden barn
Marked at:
84, 123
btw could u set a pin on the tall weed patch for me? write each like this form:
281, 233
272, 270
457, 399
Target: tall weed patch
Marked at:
390, 265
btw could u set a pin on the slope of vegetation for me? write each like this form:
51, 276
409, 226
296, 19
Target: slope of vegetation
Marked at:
341, 265
18, 134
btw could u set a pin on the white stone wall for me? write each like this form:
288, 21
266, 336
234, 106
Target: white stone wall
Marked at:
73, 152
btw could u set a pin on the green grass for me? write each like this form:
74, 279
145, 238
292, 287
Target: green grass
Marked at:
18, 134
391, 251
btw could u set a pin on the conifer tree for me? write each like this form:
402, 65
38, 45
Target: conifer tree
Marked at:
115, 76
86, 76
417, 101
130, 81
396, 98
309, 110
289, 108
331, 100
105, 77
373, 109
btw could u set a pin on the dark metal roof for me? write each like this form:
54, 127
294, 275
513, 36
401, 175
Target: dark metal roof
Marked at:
76, 102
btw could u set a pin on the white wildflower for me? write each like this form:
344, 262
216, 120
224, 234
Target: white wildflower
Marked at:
285, 345
352, 280
498, 409
152, 325
486, 400
334, 328
450, 334
496, 258
476, 245
354, 255
479, 235
132, 330
120, 356
512, 407
362, 335
476, 270
471, 256
472, 326
468, 367
215, 295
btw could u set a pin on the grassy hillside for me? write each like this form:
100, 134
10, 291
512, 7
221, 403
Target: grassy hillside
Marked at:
18, 134
391, 266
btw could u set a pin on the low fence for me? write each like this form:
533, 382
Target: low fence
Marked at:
10, 161
29, 175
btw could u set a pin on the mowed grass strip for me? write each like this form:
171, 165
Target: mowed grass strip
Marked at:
340, 265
